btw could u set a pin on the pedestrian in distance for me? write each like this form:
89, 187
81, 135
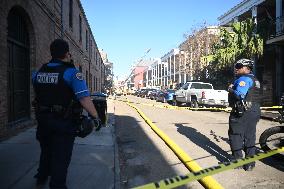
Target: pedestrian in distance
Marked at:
60, 93
244, 98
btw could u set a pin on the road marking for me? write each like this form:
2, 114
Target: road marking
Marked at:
182, 180
202, 175
208, 181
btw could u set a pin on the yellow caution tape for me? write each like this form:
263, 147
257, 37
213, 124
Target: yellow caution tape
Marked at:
207, 182
198, 109
202, 175
182, 180
272, 107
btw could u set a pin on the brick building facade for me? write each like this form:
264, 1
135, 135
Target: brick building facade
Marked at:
27, 27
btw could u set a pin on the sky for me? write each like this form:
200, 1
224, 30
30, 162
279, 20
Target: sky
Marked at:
126, 29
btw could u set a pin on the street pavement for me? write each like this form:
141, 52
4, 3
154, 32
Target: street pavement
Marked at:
94, 161
201, 135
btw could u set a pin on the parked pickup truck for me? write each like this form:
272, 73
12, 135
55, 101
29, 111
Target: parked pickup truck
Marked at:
198, 94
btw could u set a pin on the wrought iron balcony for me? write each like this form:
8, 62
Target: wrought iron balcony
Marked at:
271, 28
266, 28
279, 26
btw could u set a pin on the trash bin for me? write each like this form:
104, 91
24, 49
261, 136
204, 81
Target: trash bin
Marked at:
100, 102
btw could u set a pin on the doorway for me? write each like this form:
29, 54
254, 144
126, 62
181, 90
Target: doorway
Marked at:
18, 67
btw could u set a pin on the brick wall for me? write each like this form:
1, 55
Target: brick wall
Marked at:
267, 86
43, 20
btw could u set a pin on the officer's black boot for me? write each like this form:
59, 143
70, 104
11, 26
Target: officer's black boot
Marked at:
236, 155
249, 167
239, 167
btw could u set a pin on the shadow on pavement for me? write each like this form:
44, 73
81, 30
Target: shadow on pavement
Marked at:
204, 142
91, 166
275, 162
141, 162
218, 138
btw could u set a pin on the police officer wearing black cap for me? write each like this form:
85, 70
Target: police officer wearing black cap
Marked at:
60, 90
244, 98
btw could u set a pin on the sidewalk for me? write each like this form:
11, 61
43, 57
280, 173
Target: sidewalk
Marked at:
94, 161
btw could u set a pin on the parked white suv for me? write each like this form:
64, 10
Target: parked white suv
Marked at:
200, 93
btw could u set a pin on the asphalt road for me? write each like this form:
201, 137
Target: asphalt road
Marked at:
145, 158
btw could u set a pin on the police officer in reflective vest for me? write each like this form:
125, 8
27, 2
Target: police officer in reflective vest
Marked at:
58, 86
244, 98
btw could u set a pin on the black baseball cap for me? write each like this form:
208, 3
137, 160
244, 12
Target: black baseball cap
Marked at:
58, 48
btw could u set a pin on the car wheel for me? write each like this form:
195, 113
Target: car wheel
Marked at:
176, 103
194, 103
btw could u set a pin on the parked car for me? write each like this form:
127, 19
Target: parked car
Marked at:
178, 86
166, 96
153, 94
169, 95
200, 93
160, 96
118, 93
138, 92
146, 93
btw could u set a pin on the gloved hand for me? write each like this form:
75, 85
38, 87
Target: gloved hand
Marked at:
98, 124
230, 88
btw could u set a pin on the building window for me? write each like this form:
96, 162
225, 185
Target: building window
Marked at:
87, 78
91, 49
95, 83
80, 28
71, 13
87, 40
91, 82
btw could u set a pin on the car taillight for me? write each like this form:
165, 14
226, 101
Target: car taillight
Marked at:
203, 94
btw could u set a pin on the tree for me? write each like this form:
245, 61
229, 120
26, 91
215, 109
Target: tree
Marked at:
237, 41
197, 45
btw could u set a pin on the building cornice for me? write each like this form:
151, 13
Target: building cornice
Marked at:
87, 22
237, 10
171, 53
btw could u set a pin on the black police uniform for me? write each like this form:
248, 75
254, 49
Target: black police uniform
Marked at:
244, 117
56, 126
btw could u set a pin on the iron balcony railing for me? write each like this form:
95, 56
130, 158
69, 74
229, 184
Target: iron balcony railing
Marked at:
269, 28
279, 26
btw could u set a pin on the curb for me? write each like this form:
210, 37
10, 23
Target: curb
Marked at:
116, 166
116, 169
